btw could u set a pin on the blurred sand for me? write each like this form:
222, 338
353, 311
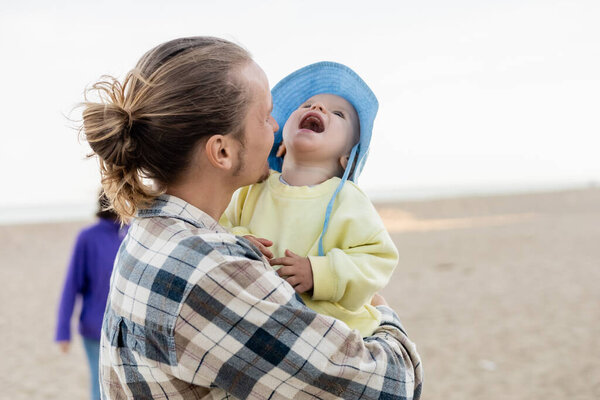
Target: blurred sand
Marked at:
501, 295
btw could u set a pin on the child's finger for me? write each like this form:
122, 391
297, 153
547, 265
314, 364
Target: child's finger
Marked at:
275, 261
280, 151
286, 271
292, 280
300, 288
290, 253
282, 261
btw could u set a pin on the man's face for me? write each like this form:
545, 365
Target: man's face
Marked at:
259, 128
324, 127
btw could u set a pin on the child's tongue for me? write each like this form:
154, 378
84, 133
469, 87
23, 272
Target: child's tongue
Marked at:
312, 123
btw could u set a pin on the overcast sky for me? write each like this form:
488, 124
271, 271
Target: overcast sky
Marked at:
472, 93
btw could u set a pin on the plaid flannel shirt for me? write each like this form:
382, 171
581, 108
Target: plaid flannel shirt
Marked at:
195, 312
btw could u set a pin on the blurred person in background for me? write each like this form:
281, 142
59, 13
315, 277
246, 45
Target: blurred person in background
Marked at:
88, 277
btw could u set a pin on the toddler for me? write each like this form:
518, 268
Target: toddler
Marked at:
328, 241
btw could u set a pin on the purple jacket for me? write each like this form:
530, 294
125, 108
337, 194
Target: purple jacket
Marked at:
89, 277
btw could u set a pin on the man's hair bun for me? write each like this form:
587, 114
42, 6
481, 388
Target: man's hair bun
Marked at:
109, 125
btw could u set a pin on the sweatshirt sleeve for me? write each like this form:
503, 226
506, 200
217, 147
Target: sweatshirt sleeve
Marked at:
72, 286
231, 218
360, 256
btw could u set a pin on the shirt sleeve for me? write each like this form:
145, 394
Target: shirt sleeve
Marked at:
244, 330
73, 284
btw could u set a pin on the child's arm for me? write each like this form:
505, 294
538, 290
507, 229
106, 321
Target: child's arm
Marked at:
360, 256
352, 274
347, 276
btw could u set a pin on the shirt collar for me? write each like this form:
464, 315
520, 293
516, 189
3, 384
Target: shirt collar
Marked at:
173, 207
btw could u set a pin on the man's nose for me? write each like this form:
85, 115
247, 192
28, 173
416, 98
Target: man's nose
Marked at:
319, 107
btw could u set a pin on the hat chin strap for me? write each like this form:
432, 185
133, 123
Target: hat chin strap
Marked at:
337, 190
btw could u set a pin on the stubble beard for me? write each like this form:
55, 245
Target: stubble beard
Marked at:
265, 175
242, 165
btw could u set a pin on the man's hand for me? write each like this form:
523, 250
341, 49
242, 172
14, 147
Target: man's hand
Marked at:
64, 346
296, 270
262, 245
378, 300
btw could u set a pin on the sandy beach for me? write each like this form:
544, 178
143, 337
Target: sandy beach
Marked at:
500, 293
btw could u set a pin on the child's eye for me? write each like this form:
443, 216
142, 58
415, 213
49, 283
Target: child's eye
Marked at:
307, 105
339, 114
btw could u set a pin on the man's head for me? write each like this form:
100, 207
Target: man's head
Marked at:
190, 106
324, 128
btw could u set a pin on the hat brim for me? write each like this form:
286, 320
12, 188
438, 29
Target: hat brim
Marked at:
324, 77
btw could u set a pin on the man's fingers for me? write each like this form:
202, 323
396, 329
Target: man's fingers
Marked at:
261, 243
378, 300
252, 240
264, 242
268, 253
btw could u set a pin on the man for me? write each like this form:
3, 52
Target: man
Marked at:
195, 312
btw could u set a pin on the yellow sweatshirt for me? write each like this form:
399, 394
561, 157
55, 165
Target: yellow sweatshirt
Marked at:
359, 254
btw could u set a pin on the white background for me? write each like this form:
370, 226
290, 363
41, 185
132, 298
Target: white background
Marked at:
474, 95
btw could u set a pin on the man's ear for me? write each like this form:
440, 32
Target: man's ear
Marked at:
344, 161
219, 151
281, 150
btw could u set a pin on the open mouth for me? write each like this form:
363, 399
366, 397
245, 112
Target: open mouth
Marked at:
312, 122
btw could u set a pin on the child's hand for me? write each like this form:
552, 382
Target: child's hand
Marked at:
262, 245
296, 270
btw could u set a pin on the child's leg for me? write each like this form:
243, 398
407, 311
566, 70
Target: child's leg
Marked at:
92, 349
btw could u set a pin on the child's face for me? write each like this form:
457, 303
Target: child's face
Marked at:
324, 127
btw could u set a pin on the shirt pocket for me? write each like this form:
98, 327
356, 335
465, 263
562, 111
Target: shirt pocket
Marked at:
140, 345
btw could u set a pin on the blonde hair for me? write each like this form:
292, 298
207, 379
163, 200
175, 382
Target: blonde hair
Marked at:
147, 126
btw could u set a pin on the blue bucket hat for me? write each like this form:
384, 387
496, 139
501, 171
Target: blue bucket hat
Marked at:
320, 78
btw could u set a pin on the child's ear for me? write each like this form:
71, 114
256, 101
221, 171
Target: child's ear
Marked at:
281, 150
344, 161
